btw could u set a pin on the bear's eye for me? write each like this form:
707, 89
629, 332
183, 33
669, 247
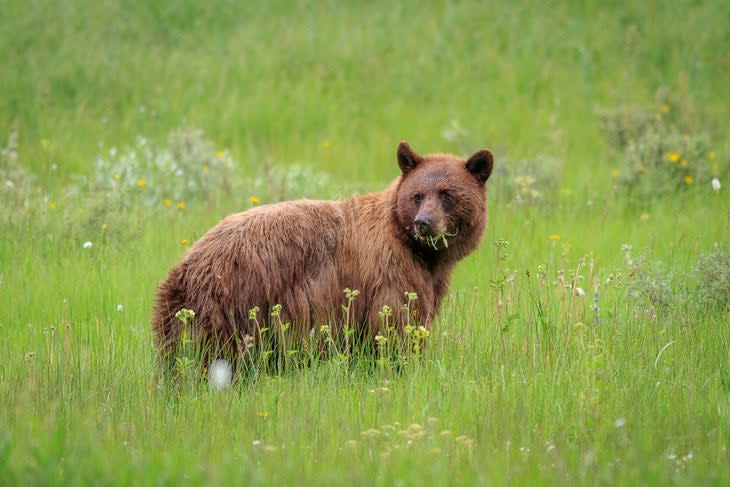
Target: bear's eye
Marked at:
417, 198
448, 199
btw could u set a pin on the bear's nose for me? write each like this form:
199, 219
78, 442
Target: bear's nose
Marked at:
422, 224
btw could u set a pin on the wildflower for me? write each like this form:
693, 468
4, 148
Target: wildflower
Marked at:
579, 291
554, 237
683, 163
254, 200
256, 443
325, 144
80, 210
620, 422
524, 181
615, 173
88, 245
566, 192
688, 180
52, 205
113, 151
167, 202
716, 185
141, 182
220, 154
184, 241
185, 315
673, 156
371, 433
120, 308
181, 205
117, 177
262, 414
712, 155
665, 108
380, 339
220, 374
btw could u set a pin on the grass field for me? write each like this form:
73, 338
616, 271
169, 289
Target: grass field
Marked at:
587, 341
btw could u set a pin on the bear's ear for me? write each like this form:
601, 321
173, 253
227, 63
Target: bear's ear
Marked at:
407, 158
480, 165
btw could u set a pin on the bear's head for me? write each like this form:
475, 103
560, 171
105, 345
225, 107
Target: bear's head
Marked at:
441, 198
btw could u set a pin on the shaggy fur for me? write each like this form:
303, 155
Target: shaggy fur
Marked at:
302, 254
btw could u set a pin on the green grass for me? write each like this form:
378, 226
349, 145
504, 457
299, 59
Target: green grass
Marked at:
518, 384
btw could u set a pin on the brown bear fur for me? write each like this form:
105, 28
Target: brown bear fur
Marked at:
302, 254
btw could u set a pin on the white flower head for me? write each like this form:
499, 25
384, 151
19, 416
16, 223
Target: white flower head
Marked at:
220, 374
88, 244
120, 308
716, 185
579, 291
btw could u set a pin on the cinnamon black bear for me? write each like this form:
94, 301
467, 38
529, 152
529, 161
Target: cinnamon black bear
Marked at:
302, 254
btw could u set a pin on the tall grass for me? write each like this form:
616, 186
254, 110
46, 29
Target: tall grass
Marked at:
550, 361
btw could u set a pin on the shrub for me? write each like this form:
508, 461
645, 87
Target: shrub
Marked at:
189, 169
712, 271
528, 181
17, 189
663, 162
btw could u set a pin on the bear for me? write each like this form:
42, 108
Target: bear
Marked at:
296, 257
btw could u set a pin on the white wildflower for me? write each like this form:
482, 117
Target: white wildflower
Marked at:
716, 184
88, 244
120, 308
579, 291
220, 374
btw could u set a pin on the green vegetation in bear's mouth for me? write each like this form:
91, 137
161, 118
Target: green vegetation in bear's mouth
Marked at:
433, 240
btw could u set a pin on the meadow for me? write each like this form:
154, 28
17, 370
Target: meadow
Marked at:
587, 341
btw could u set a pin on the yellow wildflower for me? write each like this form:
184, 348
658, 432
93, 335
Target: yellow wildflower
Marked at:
141, 182
254, 200
181, 205
167, 202
683, 163
184, 241
712, 155
80, 210
262, 414
615, 173
220, 154
673, 156
665, 108
325, 144
554, 237
52, 205
688, 180
117, 177
566, 192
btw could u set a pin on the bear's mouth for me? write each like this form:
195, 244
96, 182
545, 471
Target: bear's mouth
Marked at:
433, 240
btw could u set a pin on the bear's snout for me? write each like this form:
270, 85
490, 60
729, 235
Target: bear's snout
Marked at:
423, 225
